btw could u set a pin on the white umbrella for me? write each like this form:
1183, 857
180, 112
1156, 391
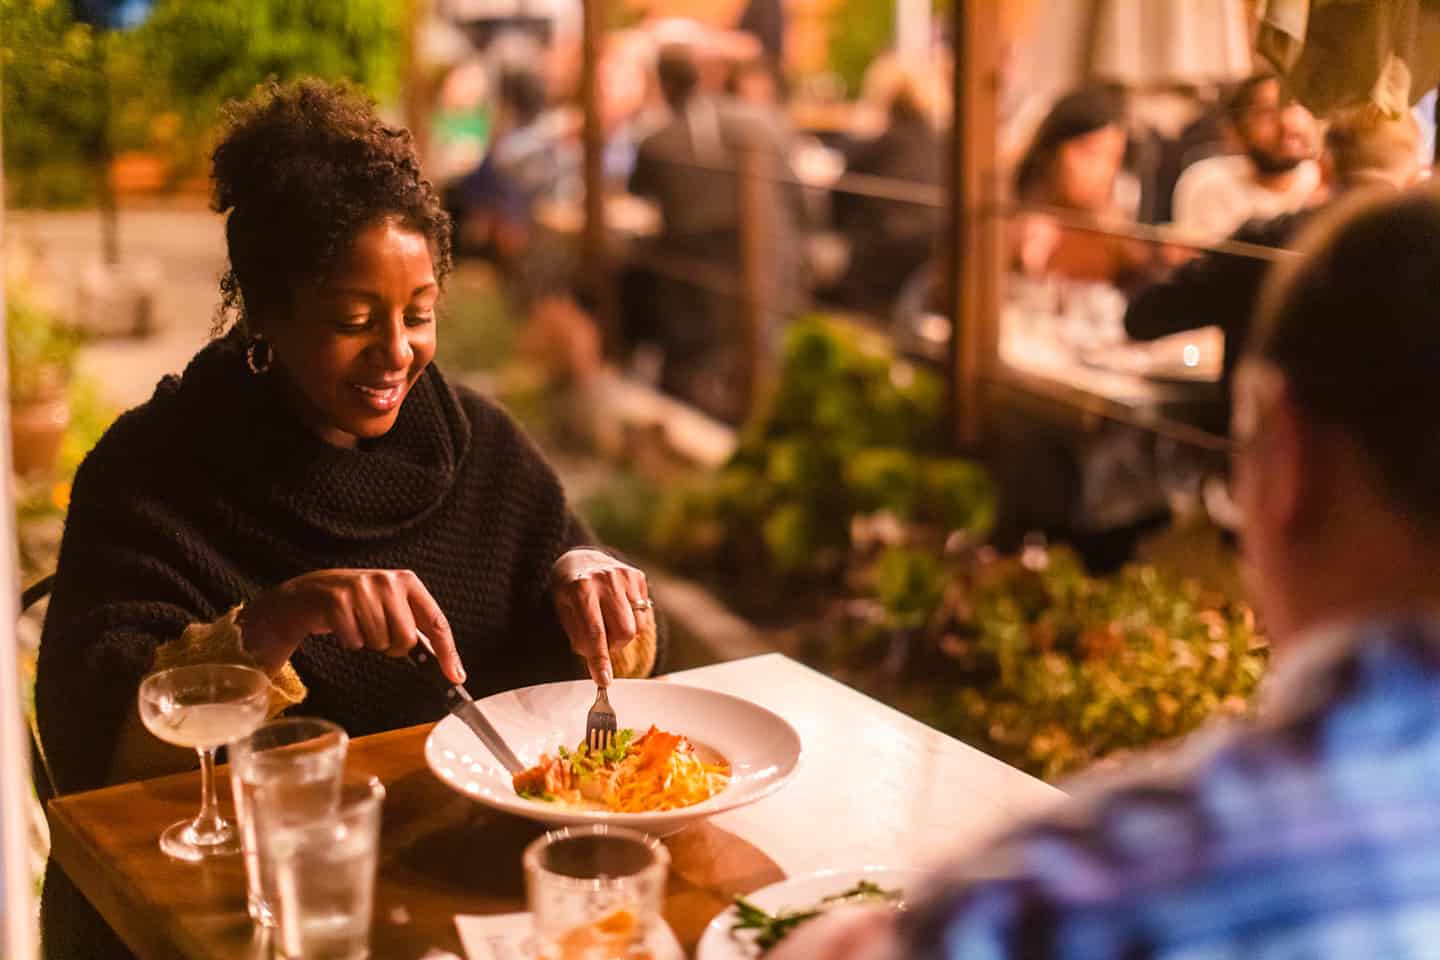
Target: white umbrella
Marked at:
1140, 43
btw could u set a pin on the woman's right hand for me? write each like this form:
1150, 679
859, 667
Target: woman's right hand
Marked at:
381, 610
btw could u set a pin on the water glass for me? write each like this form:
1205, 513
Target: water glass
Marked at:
300, 760
324, 873
595, 892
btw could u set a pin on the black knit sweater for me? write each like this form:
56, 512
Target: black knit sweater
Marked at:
213, 491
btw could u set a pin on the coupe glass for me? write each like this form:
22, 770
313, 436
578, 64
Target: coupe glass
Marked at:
203, 706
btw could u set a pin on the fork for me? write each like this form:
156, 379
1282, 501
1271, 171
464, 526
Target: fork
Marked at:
600, 723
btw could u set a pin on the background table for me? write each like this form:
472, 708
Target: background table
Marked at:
874, 787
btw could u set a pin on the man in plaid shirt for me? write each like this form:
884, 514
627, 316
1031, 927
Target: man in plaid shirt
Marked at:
1316, 831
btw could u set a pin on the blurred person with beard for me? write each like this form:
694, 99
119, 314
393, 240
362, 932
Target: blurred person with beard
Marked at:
1274, 173
1364, 150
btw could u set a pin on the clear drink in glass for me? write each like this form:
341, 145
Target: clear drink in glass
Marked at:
324, 875
300, 760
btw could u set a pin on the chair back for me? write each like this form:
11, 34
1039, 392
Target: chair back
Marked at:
39, 765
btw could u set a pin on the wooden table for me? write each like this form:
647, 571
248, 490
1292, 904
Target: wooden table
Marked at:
874, 787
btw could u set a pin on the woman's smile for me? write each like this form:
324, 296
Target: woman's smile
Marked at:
382, 396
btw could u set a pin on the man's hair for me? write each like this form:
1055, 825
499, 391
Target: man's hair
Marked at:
1364, 144
1073, 115
523, 91
1243, 97
679, 76
1352, 325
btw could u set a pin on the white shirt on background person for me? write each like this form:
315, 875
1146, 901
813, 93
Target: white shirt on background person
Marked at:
1216, 195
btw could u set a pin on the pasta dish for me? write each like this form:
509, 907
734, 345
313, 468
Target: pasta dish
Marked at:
654, 771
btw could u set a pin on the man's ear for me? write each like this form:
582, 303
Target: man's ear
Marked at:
1293, 464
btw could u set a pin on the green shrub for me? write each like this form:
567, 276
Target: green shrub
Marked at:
172, 72
1048, 668
850, 431
41, 351
52, 103
208, 51
860, 31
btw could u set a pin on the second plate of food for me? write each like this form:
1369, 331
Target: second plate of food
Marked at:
689, 754
764, 918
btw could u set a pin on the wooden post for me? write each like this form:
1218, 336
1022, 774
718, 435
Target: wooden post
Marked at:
593, 249
972, 266
416, 84
105, 153
1435, 159
757, 306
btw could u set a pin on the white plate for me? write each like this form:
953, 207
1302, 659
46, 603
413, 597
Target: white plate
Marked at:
761, 748
797, 893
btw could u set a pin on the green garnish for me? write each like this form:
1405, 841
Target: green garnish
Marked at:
770, 929
584, 761
619, 747
537, 795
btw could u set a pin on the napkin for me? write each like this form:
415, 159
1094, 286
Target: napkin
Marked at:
509, 936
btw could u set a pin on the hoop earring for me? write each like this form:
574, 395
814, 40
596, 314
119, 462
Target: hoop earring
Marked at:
258, 355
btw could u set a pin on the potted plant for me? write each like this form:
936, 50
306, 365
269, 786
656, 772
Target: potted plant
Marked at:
42, 356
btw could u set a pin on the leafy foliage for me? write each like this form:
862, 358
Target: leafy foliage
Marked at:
41, 351
860, 30
1043, 666
851, 431
209, 51
52, 101
166, 79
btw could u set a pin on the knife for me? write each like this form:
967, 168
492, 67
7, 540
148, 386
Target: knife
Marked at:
462, 705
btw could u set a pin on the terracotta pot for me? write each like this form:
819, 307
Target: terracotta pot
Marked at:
136, 171
37, 428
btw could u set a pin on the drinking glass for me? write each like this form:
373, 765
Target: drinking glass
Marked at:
203, 706
301, 760
324, 872
595, 892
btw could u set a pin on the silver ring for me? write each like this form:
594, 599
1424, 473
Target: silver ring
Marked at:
640, 605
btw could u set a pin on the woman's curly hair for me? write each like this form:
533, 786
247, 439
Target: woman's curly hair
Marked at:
300, 169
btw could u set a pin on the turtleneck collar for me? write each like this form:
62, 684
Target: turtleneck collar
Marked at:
258, 445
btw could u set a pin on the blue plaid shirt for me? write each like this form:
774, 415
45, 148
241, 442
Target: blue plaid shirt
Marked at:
1313, 834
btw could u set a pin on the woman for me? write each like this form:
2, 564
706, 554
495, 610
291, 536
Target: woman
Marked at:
1074, 164
312, 494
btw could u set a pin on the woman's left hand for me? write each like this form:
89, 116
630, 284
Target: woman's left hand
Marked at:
596, 597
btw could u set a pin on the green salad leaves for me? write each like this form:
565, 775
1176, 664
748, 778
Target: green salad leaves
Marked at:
770, 928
